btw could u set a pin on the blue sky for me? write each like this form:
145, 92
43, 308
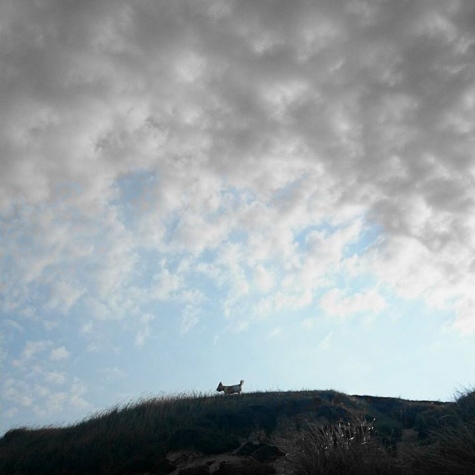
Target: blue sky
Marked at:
204, 191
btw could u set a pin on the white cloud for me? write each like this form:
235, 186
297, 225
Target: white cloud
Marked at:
64, 296
11, 412
189, 319
325, 342
263, 278
264, 307
59, 354
14, 325
144, 332
241, 161
29, 397
114, 374
32, 348
25, 400
50, 324
79, 402
192, 296
55, 377
275, 332
166, 284
291, 170
465, 321
30, 352
308, 323
54, 404
298, 300
100, 311
336, 303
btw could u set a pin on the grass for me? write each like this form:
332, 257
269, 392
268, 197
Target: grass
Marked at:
325, 452
138, 436
449, 445
135, 438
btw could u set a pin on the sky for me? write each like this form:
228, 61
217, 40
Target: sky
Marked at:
213, 190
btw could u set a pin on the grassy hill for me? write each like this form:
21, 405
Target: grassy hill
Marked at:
304, 432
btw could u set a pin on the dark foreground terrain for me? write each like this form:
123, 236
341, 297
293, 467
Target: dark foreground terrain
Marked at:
304, 433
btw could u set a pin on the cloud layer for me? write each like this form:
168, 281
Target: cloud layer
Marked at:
245, 157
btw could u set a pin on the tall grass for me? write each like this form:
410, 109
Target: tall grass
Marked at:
324, 451
449, 448
136, 437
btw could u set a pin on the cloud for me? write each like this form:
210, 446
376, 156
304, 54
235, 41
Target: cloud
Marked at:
166, 284
144, 332
32, 348
32, 396
174, 166
114, 374
55, 377
336, 303
30, 352
14, 325
464, 321
189, 319
258, 143
308, 323
79, 402
325, 342
11, 413
263, 278
274, 333
59, 354
64, 296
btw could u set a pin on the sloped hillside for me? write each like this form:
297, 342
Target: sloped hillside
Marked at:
268, 432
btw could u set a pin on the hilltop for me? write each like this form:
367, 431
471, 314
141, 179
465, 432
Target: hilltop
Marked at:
301, 432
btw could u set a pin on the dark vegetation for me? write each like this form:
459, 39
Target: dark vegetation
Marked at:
388, 436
